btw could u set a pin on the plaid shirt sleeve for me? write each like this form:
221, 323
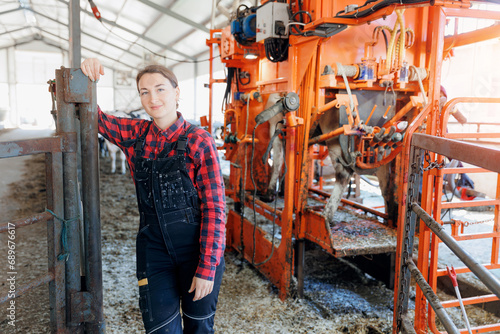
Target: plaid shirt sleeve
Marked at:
210, 186
117, 129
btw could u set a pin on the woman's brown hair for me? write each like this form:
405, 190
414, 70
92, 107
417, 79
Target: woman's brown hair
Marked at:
160, 70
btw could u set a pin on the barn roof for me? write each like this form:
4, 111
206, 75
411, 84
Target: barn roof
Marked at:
130, 33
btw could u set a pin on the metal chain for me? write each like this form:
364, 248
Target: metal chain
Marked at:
432, 164
438, 119
413, 188
460, 222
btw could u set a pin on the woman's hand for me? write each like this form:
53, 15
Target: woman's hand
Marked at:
201, 287
92, 68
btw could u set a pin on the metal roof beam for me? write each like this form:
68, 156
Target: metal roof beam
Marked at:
89, 35
164, 46
176, 16
85, 48
11, 11
14, 30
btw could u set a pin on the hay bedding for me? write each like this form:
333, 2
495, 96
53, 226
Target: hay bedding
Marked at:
248, 303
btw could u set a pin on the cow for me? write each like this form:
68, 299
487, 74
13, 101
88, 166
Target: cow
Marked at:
328, 121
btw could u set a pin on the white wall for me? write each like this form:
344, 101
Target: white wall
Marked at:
194, 101
32, 71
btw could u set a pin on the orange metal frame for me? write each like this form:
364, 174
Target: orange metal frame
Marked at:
432, 185
302, 73
457, 233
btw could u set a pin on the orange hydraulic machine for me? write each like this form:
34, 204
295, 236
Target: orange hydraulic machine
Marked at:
375, 63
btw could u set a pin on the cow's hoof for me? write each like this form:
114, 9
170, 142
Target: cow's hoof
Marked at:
267, 197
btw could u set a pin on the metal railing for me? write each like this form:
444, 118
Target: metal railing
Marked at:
53, 148
453, 149
73, 308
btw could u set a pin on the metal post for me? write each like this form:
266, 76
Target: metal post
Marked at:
66, 125
57, 287
91, 211
75, 53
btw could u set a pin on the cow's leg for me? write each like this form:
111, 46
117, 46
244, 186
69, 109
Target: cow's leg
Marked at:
112, 155
122, 157
387, 184
277, 157
342, 177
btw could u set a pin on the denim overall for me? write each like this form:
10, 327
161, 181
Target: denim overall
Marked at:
168, 244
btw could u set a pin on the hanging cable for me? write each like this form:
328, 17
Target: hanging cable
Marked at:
253, 202
97, 15
243, 189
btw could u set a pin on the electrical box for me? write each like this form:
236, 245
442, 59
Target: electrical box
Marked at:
272, 21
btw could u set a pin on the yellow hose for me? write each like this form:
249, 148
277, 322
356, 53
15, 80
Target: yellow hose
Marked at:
391, 50
402, 36
388, 62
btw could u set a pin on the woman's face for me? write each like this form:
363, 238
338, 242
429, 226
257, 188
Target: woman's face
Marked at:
159, 99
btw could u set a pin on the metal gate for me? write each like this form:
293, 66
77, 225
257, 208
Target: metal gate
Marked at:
425, 277
74, 307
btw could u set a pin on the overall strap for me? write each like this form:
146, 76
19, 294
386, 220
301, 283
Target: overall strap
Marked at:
139, 142
182, 141
139, 145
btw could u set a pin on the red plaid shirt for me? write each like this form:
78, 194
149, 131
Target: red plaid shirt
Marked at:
202, 163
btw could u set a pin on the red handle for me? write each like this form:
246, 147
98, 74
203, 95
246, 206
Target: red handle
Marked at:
453, 275
96, 12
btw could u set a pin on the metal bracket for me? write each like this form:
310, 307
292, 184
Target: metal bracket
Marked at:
81, 310
77, 86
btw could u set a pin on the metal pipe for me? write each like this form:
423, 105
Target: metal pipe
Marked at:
406, 325
326, 136
91, 209
470, 153
37, 218
483, 274
75, 35
432, 298
55, 202
66, 125
10, 149
353, 204
43, 279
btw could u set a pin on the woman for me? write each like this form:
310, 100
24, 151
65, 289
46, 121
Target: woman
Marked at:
180, 194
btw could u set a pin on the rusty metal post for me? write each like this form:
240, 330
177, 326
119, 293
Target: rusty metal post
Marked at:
432, 298
66, 125
87, 306
91, 207
55, 202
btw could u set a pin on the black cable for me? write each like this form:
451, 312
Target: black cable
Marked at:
156, 54
452, 194
230, 76
276, 49
293, 19
245, 75
253, 202
375, 7
385, 40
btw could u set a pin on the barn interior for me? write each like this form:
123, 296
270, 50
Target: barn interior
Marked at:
359, 143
